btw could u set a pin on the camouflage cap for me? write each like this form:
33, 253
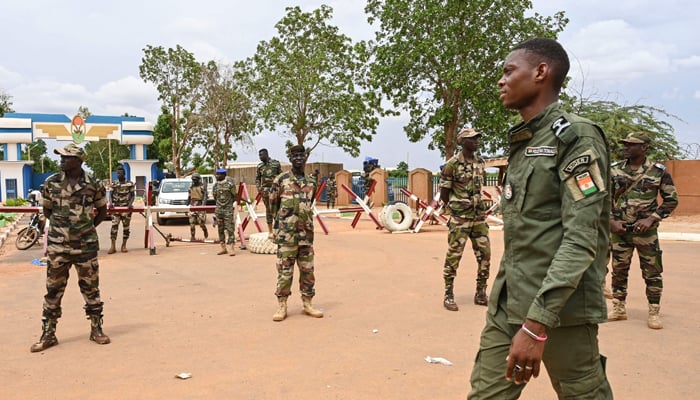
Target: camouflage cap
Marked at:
71, 150
636, 137
468, 133
196, 175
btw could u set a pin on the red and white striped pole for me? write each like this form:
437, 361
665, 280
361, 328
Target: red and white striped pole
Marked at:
362, 204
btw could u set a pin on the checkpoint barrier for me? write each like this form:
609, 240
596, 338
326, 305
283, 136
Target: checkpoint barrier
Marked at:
362, 203
432, 211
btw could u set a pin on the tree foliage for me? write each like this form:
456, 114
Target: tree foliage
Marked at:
310, 80
37, 152
439, 60
177, 76
401, 170
617, 121
225, 113
5, 103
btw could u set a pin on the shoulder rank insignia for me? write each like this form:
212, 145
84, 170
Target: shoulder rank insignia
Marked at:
660, 166
559, 125
582, 160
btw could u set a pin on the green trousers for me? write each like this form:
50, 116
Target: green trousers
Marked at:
571, 356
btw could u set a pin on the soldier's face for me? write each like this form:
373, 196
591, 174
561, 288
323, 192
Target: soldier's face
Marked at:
70, 163
633, 150
471, 143
298, 159
263, 156
518, 85
220, 176
121, 174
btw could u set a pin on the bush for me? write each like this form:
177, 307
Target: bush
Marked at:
16, 202
5, 218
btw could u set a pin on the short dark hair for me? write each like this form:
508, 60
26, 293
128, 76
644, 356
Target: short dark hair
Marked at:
121, 168
261, 150
551, 52
297, 149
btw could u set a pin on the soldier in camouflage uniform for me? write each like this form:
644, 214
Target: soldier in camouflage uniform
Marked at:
121, 195
69, 200
331, 191
634, 222
461, 180
196, 196
291, 196
225, 197
267, 170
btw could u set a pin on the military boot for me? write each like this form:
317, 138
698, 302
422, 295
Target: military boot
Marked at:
206, 233
449, 301
192, 232
309, 309
223, 249
124, 249
233, 249
113, 249
270, 235
606, 291
96, 334
48, 336
480, 297
281, 313
654, 321
618, 313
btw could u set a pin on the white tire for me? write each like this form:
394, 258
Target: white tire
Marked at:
258, 243
400, 210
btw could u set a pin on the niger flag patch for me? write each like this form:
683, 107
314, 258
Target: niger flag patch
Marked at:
585, 184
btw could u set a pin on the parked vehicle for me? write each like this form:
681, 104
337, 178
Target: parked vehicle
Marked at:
30, 234
172, 192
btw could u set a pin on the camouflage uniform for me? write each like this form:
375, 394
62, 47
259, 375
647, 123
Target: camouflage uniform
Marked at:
225, 197
72, 240
331, 192
197, 196
291, 198
266, 173
635, 198
467, 218
122, 196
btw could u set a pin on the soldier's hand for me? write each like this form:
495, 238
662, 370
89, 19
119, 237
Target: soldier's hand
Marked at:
617, 227
643, 225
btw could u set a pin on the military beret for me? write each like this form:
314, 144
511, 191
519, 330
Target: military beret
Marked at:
221, 171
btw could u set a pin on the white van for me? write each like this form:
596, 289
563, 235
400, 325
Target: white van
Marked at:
208, 181
172, 192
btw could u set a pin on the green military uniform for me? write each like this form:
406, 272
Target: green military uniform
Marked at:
122, 196
266, 173
331, 192
291, 198
197, 195
556, 206
225, 196
72, 240
467, 218
635, 197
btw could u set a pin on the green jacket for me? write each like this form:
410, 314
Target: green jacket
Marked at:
556, 208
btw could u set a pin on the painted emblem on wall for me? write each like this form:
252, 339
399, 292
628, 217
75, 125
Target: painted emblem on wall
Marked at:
77, 129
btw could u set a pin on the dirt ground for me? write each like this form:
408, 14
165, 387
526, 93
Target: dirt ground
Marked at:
186, 309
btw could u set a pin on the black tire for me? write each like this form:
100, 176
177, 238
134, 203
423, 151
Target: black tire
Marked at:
160, 220
26, 238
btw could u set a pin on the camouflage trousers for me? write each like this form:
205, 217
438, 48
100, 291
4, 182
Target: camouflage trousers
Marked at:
57, 279
125, 220
269, 218
197, 218
226, 226
459, 232
287, 256
649, 252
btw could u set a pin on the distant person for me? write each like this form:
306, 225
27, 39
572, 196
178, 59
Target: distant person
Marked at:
331, 191
461, 181
70, 199
547, 298
225, 196
35, 198
291, 198
266, 172
121, 195
637, 183
197, 196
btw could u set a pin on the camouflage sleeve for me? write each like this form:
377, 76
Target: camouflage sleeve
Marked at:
258, 175
100, 194
274, 197
447, 175
669, 196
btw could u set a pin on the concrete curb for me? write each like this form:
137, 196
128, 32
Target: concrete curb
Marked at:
680, 236
7, 229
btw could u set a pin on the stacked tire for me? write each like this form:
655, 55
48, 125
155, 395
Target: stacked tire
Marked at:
259, 243
396, 217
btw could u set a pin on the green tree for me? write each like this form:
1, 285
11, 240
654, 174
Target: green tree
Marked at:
37, 152
439, 60
618, 120
310, 80
161, 148
401, 170
177, 76
225, 113
5, 103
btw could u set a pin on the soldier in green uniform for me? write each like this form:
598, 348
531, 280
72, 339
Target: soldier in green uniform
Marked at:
331, 191
547, 300
121, 195
69, 200
267, 170
197, 196
225, 197
634, 222
291, 197
460, 184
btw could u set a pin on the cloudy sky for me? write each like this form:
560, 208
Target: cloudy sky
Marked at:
59, 55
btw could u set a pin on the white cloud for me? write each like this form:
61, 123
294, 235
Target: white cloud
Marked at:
688, 62
696, 95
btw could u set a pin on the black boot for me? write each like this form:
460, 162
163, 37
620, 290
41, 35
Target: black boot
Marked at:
48, 336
